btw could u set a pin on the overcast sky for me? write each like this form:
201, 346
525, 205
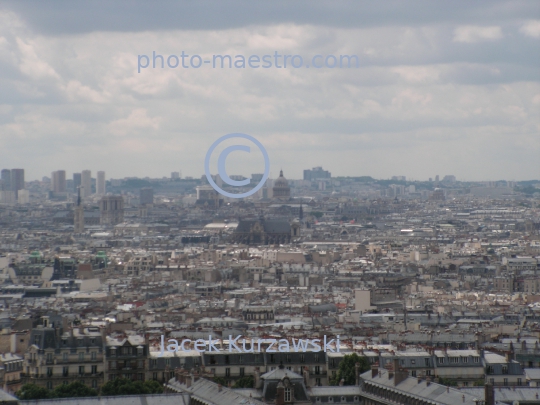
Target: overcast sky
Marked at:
442, 88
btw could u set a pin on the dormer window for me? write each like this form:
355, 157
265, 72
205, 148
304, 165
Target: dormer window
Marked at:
288, 394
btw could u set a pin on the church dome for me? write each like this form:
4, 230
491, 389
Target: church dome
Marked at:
281, 189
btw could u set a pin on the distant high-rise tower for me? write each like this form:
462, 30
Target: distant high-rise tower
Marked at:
175, 175
17, 181
86, 183
146, 195
100, 184
111, 210
437, 178
78, 224
76, 181
6, 180
58, 181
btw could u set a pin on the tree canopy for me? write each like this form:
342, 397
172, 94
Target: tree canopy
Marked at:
346, 370
73, 390
122, 386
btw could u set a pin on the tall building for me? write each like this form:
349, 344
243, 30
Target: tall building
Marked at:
175, 175
24, 196
78, 218
100, 184
17, 181
76, 181
58, 183
146, 195
86, 183
6, 180
111, 210
316, 173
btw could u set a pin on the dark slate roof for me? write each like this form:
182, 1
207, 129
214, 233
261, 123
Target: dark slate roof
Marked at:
270, 226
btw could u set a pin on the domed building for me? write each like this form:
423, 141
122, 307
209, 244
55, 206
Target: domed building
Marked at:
281, 189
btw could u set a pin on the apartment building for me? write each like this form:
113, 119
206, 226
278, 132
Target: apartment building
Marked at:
59, 356
126, 357
12, 364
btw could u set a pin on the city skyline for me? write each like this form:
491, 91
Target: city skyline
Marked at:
439, 89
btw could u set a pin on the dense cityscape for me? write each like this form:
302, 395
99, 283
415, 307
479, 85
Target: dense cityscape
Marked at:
432, 288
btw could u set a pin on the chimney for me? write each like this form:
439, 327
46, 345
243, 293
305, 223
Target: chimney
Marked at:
489, 393
374, 370
188, 381
257, 378
280, 394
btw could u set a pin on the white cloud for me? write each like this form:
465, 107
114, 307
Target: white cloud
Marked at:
471, 33
531, 28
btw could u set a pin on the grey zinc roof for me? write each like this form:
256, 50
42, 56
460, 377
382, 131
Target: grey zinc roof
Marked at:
208, 392
440, 394
169, 399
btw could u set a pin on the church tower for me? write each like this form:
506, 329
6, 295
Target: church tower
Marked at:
78, 225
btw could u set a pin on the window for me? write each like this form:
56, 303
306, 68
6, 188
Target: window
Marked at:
242, 371
139, 351
113, 351
227, 372
94, 355
426, 362
81, 356
489, 370
94, 383
316, 358
288, 358
240, 359
428, 372
413, 361
94, 369
272, 358
65, 371
477, 359
167, 362
505, 369
505, 381
317, 370
441, 360
49, 357
519, 381
112, 365
49, 385
227, 360
465, 359
140, 364
318, 382
413, 373
65, 356
81, 370
288, 394
302, 358
49, 371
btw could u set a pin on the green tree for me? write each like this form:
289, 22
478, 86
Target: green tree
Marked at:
154, 387
122, 386
75, 389
245, 382
33, 391
220, 380
346, 370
